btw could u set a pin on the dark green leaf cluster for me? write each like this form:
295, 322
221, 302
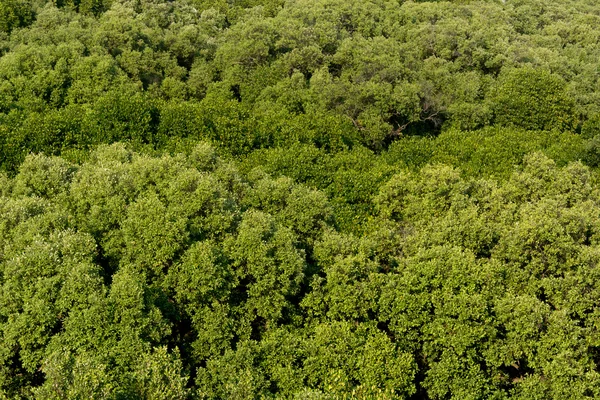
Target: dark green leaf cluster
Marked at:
260, 74
15, 14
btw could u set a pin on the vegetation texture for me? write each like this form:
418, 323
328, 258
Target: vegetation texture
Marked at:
299, 199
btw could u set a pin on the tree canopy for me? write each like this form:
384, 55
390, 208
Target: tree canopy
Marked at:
259, 74
132, 276
299, 199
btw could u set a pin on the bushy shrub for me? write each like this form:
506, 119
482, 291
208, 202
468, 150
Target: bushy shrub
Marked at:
533, 99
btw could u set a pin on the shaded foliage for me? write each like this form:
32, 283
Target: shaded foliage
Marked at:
261, 74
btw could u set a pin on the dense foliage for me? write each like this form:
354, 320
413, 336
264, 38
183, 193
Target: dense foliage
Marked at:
141, 277
258, 74
301, 199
